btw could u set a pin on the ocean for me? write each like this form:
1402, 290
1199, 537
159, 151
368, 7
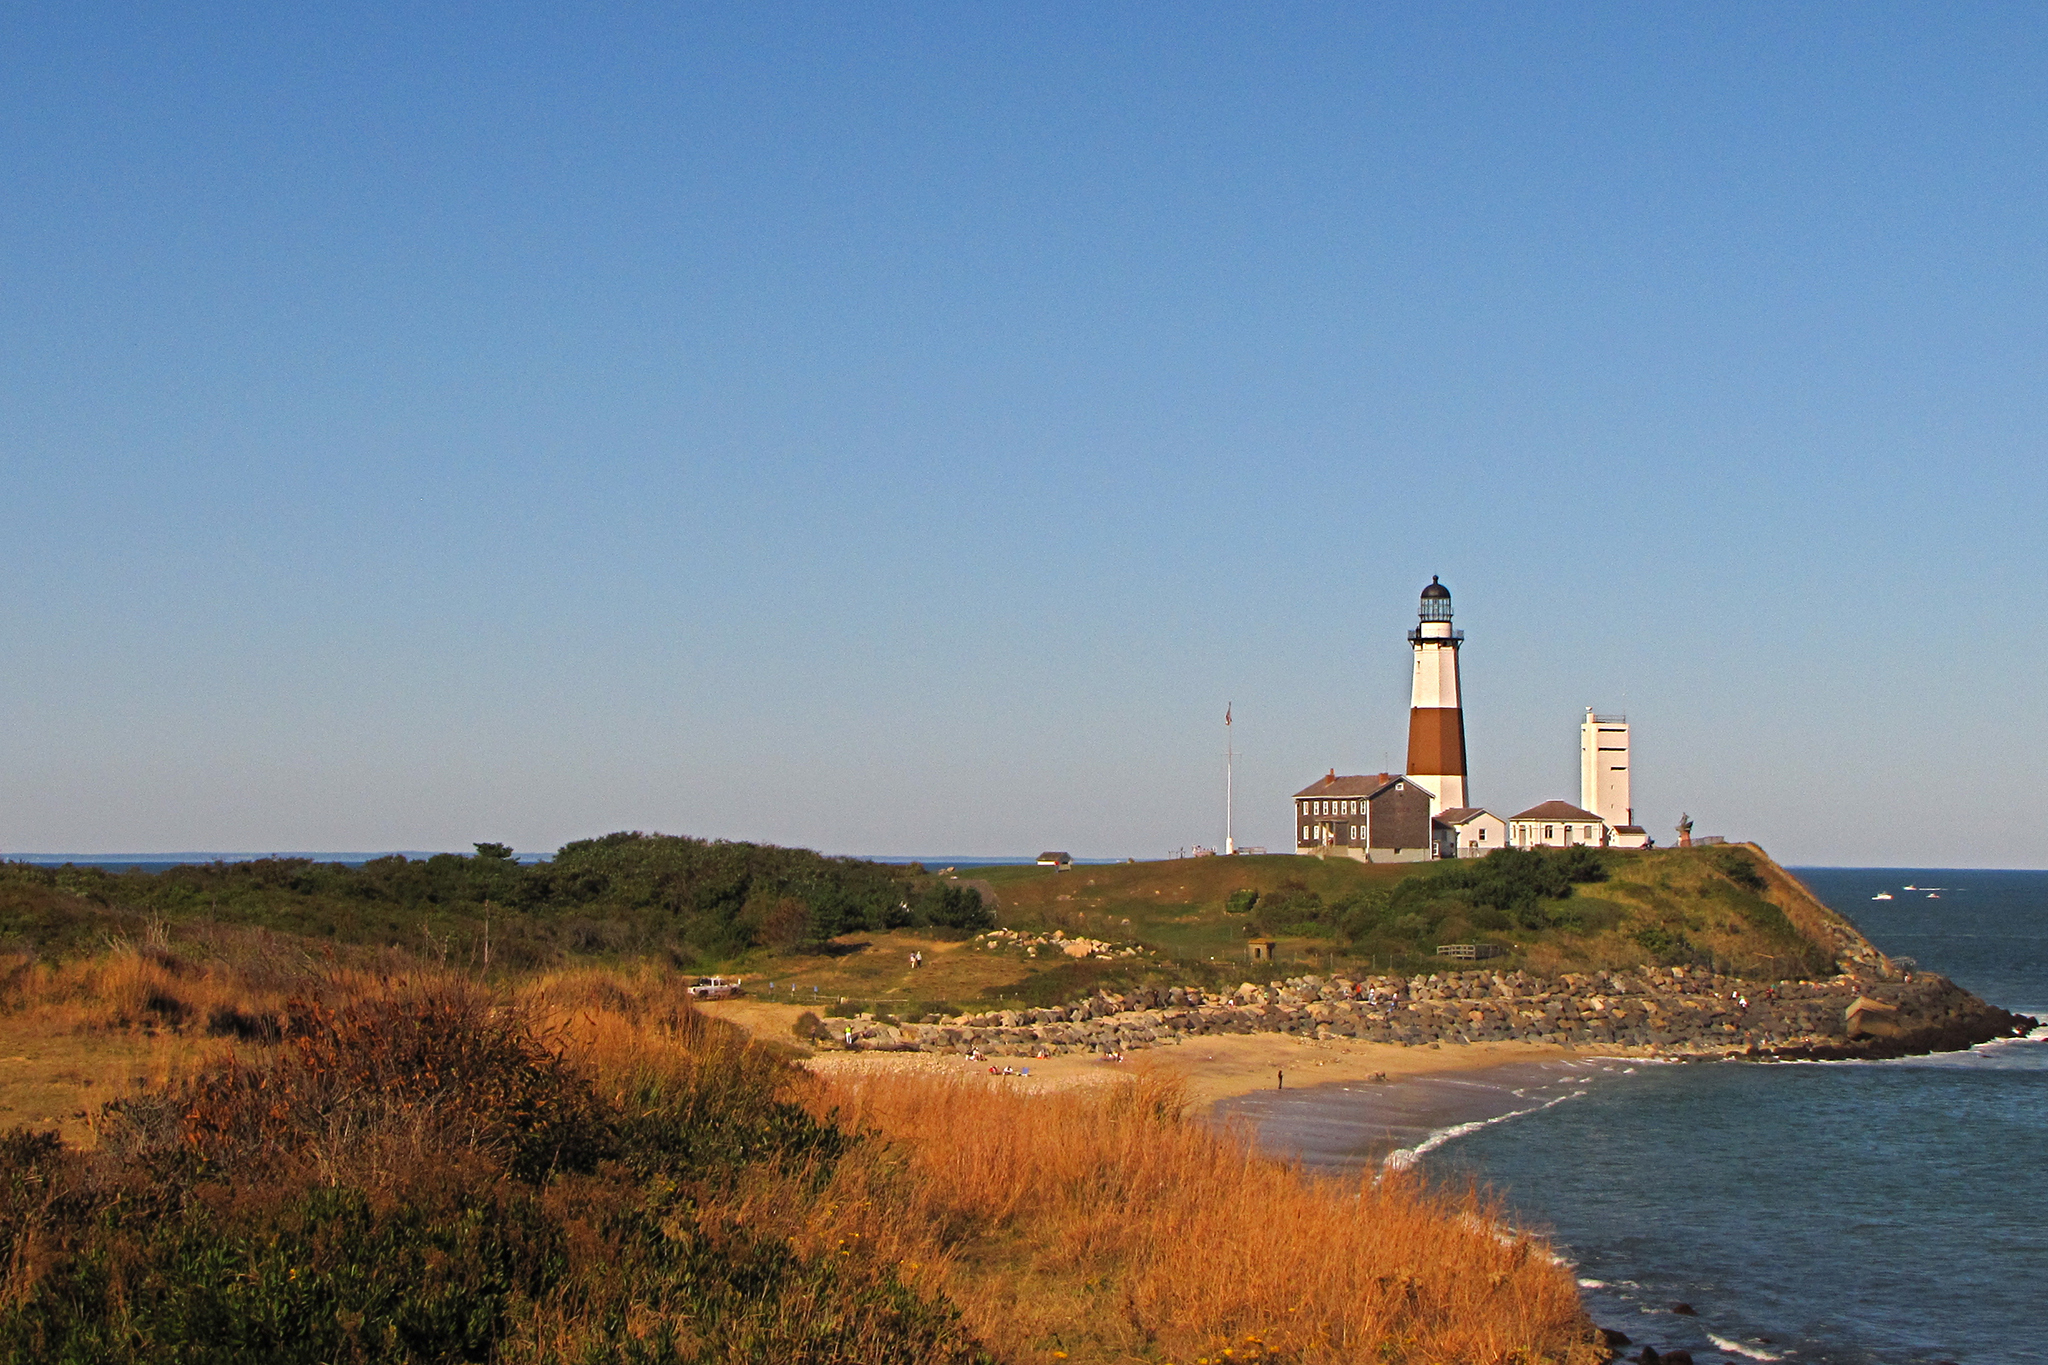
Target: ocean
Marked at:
1849, 1213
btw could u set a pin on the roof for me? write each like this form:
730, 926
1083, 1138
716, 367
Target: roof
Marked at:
1559, 810
1458, 815
1628, 829
1361, 785
1435, 589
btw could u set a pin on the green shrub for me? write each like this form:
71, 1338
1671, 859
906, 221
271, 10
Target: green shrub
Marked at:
1669, 946
1738, 866
700, 901
1513, 882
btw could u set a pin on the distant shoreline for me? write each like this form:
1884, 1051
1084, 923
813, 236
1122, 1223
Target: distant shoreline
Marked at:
158, 861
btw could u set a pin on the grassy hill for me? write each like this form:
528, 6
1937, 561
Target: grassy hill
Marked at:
831, 930
1727, 906
1730, 908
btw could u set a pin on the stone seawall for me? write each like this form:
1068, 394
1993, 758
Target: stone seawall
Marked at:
1676, 1011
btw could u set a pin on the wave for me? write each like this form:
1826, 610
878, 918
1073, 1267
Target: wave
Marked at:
1401, 1158
1739, 1349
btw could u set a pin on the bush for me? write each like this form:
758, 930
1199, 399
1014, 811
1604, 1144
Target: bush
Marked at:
701, 901
1669, 946
423, 1176
1507, 888
1739, 867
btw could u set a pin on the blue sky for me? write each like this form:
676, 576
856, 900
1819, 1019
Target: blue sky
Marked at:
902, 429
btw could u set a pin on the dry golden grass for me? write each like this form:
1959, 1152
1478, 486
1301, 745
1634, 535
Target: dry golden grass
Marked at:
1096, 1225
1104, 1225
1092, 1226
76, 1034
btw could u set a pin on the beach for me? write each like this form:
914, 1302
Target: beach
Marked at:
1215, 1070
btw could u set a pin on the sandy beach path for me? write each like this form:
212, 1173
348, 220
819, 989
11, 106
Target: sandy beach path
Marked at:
1213, 1068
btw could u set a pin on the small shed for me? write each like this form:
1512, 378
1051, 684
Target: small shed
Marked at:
1262, 949
1055, 860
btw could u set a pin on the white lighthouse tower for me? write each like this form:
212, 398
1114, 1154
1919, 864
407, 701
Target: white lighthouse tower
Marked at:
1436, 720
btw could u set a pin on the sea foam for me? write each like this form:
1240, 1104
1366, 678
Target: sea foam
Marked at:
1739, 1349
1401, 1158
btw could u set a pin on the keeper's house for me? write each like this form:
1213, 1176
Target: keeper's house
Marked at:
1560, 824
1381, 818
1557, 824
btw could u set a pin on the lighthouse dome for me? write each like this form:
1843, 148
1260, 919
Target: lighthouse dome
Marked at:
1436, 601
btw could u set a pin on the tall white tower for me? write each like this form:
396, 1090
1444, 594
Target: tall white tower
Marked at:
1436, 720
1603, 768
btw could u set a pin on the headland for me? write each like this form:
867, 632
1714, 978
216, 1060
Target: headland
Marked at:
1731, 911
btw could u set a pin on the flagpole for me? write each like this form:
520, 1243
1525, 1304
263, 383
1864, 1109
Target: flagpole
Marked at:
1229, 779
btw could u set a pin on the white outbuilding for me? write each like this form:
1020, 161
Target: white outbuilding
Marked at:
1470, 832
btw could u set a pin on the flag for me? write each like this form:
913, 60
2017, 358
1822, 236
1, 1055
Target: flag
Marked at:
1226, 715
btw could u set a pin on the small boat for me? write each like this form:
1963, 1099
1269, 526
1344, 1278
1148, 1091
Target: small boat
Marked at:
715, 987
1931, 896
1882, 896
1912, 888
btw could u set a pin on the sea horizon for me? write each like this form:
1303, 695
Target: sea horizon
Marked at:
183, 858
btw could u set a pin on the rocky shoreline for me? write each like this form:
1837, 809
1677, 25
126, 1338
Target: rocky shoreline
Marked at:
1674, 1011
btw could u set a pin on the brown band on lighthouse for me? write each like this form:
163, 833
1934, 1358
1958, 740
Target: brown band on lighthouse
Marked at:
1436, 741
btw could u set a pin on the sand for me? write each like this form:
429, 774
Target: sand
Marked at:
1213, 1068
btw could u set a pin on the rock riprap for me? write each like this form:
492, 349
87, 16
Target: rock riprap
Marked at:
1672, 1010
1056, 942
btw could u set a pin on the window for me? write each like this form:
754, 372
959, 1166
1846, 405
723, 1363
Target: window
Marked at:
1547, 831
1589, 831
1482, 835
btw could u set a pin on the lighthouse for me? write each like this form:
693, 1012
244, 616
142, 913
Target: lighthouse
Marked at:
1436, 724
